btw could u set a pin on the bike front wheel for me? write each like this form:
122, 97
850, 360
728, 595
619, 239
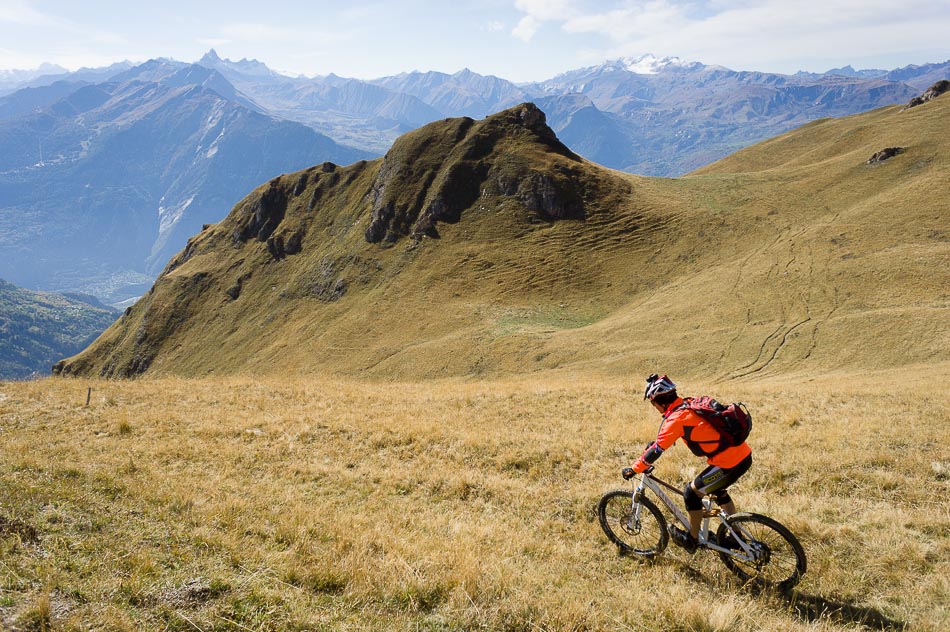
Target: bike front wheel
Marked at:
777, 559
637, 529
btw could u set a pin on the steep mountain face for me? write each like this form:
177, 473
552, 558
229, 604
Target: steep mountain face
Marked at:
103, 183
38, 328
489, 247
589, 131
27, 100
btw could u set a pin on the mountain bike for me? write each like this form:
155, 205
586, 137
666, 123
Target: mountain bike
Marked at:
758, 549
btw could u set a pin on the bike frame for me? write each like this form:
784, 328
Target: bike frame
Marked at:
654, 484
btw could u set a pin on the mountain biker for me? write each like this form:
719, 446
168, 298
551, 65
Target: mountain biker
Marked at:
724, 469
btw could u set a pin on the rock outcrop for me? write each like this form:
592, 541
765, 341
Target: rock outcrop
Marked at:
885, 154
930, 94
432, 175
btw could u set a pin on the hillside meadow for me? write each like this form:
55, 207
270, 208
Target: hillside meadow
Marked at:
311, 503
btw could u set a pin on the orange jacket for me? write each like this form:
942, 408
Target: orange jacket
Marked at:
690, 426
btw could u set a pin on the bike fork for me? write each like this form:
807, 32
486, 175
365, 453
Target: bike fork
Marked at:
636, 506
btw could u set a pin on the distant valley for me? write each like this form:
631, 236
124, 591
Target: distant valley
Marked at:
101, 183
38, 328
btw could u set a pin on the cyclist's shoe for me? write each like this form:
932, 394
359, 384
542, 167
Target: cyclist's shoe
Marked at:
683, 539
729, 542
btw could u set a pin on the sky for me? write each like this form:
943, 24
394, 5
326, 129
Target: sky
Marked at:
519, 40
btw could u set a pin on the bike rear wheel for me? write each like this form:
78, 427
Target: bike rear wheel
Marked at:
640, 532
778, 557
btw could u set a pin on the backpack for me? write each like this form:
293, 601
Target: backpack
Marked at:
732, 422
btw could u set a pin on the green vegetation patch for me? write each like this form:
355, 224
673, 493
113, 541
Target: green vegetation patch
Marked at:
542, 320
39, 328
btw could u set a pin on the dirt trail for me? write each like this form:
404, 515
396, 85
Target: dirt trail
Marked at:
804, 305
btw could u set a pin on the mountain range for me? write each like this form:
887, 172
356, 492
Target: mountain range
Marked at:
489, 247
105, 173
642, 115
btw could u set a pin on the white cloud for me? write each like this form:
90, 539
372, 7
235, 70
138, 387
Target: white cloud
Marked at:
18, 12
526, 28
539, 11
745, 33
495, 26
641, 20
547, 9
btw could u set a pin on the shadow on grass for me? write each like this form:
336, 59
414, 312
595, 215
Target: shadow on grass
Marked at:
811, 608
815, 607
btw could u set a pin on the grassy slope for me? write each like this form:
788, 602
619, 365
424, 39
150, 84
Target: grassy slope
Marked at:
304, 504
767, 262
852, 268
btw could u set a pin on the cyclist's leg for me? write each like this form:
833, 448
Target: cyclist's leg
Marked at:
716, 480
712, 480
693, 499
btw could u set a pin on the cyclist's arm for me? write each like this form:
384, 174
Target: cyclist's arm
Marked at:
648, 458
670, 431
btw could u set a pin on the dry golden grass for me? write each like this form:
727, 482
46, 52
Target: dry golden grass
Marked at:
315, 503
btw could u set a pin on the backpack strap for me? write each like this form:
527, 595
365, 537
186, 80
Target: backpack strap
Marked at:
685, 404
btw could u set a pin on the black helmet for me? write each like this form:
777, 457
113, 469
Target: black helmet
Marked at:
657, 385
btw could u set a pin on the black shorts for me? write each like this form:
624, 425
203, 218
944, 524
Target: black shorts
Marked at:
716, 480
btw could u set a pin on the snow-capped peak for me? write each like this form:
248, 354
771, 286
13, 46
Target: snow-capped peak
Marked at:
651, 64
